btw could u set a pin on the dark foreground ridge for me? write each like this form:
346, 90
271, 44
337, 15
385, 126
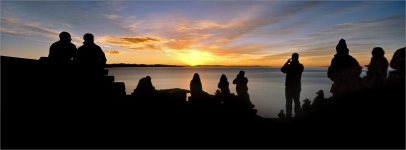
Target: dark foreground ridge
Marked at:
62, 108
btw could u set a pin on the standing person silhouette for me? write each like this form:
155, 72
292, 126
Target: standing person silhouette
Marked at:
62, 50
90, 56
293, 70
344, 71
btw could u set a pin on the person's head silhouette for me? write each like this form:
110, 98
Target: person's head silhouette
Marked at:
242, 73
295, 57
378, 52
320, 92
148, 78
65, 37
223, 78
88, 37
196, 77
341, 47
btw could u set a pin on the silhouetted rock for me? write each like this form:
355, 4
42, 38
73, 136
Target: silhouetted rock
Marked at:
377, 69
293, 70
344, 71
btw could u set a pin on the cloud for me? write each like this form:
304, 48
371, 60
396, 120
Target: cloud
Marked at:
135, 43
113, 52
31, 30
140, 40
386, 24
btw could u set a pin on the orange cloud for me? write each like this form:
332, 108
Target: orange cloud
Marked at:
113, 52
132, 43
140, 40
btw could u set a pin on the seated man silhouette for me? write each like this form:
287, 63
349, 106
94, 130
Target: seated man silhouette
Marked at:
319, 101
398, 63
242, 90
90, 58
60, 55
293, 70
281, 114
62, 51
377, 69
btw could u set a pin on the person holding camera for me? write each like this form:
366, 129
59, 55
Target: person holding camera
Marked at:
293, 70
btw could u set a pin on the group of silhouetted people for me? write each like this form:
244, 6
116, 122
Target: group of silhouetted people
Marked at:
345, 73
87, 58
240, 81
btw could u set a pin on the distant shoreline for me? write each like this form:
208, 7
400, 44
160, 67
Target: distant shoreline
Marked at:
163, 65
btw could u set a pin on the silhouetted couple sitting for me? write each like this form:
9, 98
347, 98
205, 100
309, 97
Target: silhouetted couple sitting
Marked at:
88, 58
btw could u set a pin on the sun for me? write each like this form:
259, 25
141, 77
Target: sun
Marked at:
194, 57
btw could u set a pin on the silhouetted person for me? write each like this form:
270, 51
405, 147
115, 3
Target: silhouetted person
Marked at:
145, 91
319, 101
281, 114
398, 63
293, 70
306, 107
62, 50
377, 68
145, 85
198, 96
242, 89
344, 71
223, 85
241, 83
60, 55
90, 57
196, 88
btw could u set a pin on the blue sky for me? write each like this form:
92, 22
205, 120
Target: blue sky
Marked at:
207, 32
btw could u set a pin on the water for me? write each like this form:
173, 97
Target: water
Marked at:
265, 84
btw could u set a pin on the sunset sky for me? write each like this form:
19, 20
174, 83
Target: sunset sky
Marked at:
262, 33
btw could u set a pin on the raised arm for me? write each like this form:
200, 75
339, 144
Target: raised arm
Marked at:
285, 67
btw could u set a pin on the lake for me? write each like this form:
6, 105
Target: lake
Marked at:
265, 84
